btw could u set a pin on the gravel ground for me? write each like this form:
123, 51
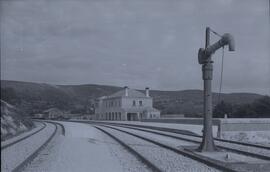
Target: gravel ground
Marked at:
126, 159
12, 156
257, 137
82, 149
225, 144
34, 166
190, 127
165, 159
24, 134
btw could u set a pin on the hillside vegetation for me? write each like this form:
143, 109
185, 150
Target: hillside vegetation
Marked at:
11, 121
36, 97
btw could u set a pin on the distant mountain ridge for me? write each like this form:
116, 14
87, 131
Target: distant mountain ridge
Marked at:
77, 97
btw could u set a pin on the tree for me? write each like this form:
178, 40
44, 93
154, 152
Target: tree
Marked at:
260, 108
221, 109
9, 95
244, 111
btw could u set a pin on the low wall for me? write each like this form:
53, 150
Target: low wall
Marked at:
193, 121
245, 124
224, 125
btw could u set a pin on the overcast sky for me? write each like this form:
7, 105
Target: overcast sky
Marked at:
137, 43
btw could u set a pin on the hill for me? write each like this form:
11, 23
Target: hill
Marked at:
36, 97
11, 121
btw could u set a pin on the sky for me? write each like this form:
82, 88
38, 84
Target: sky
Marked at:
142, 43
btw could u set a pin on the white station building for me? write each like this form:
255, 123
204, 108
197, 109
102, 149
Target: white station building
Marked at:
126, 105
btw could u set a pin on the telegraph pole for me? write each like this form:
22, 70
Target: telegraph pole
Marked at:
204, 57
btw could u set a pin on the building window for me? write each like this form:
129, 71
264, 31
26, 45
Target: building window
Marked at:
134, 103
140, 102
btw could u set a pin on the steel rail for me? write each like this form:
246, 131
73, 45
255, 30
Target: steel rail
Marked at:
183, 132
132, 151
31, 157
212, 163
198, 142
23, 138
61, 125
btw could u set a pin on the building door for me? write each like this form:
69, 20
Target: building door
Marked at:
129, 117
132, 117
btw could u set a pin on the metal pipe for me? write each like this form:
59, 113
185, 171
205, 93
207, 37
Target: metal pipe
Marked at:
227, 39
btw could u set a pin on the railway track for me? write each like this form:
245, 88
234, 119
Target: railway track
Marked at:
187, 133
262, 165
60, 125
245, 150
150, 165
265, 159
26, 159
23, 138
214, 165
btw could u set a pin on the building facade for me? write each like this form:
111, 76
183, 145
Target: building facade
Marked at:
126, 105
53, 113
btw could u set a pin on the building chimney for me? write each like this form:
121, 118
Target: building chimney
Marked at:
147, 92
126, 90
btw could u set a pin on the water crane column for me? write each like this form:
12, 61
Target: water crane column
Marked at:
204, 57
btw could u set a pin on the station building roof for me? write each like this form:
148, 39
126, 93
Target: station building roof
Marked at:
131, 93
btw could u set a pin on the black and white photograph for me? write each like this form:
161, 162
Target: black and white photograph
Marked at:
135, 85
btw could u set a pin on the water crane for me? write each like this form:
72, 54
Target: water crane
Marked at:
204, 57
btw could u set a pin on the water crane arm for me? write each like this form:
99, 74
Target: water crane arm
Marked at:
226, 39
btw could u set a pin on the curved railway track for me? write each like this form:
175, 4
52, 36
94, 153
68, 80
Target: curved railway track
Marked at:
20, 166
23, 138
61, 126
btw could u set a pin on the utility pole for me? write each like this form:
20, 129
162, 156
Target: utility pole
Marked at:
204, 57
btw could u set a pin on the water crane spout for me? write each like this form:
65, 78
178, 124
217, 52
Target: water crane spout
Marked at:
226, 39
